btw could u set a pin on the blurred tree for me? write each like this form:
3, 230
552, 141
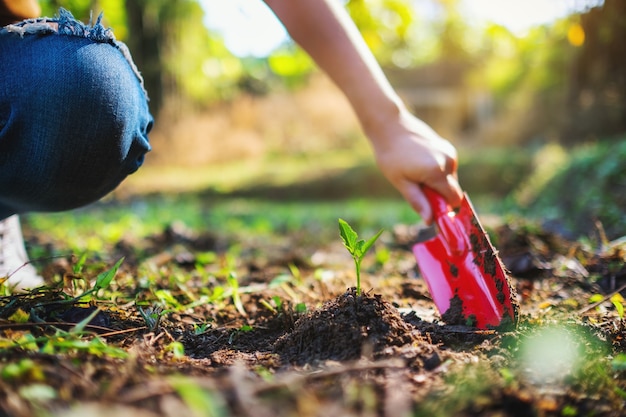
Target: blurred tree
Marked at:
114, 17
597, 82
384, 25
145, 39
177, 55
399, 35
81, 9
453, 32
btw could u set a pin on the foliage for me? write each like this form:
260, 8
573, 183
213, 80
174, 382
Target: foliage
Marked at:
357, 247
198, 63
597, 88
202, 355
590, 186
385, 26
114, 12
75, 340
540, 74
535, 62
291, 64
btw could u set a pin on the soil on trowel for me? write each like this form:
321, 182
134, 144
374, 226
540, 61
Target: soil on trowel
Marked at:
346, 328
454, 314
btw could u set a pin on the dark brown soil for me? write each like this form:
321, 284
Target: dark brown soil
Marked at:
386, 352
346, 328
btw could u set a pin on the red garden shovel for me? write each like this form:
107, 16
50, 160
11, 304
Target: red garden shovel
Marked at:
466, 278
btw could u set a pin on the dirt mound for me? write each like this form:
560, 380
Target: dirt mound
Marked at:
346, 328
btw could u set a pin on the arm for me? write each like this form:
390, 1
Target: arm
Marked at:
408, 151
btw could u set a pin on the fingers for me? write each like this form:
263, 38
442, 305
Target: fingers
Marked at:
448, 188
414, 195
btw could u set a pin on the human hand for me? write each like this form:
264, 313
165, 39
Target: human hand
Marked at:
410, 153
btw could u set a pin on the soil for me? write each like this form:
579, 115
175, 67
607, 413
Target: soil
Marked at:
302, 342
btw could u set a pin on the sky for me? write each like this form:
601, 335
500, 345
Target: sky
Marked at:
249, 27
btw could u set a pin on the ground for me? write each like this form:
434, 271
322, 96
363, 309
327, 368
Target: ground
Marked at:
198, 324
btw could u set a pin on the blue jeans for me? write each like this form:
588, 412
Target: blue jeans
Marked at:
74, 116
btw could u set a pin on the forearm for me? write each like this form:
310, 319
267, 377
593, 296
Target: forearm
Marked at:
326, 32
407, 150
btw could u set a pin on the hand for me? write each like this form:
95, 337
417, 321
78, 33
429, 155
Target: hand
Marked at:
410, 153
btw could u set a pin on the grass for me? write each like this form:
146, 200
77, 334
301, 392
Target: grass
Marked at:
214, 285
92, 227
269, 169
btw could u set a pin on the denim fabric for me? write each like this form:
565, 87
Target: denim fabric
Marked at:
74, 115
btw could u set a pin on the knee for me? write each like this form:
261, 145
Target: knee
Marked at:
74, 121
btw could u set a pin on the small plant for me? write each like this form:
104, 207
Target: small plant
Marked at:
236, 295
199, 329
152, 317
616, 299
357, 248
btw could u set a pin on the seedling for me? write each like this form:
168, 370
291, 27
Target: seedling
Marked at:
357, 248
152, 317
199, 329
234, 286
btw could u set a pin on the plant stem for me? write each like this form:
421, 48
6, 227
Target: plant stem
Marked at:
357, 264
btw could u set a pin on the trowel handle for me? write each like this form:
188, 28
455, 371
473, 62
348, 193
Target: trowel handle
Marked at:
445, 218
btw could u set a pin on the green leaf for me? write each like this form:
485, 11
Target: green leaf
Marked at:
348, 235
104, 279
77, 269
356, 247
370, 242
619, 306
595, 298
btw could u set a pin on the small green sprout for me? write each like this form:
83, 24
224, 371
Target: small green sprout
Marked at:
152, 317
177, 349
357, 248
202, 328
236, 295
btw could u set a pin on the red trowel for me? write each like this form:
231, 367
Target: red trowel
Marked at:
464, 274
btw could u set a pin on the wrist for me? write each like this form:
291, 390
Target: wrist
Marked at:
379, 118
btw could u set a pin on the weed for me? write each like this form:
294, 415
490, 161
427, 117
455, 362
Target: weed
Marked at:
616, 299
267, 305
76, 339
234, 286
103, 280
357, 248
24, 368
199, 329
152, 317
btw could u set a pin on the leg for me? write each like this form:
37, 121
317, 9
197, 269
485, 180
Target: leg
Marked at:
74, 116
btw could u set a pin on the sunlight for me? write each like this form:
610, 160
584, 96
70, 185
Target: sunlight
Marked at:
249, 28
550, 355
518, 16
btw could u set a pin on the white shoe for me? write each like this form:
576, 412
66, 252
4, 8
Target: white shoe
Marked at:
14, 263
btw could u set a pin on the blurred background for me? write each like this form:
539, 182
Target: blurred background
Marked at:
532, 93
